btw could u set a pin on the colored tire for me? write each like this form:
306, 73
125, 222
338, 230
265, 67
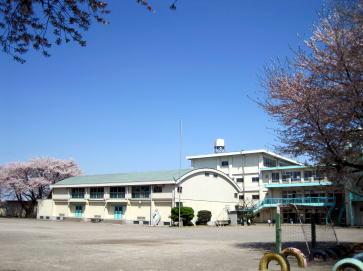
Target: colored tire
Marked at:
351, 263
358, 256
300, 257
269, 257
319, 255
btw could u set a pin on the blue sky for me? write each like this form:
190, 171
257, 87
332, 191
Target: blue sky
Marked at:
115, 105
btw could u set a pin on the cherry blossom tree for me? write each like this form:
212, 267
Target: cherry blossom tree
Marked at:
30, 181
38, 24
317, 97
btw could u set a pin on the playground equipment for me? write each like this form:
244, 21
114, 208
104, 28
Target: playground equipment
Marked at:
269, 257
350, 264
303, 237
300, 257
280, 256
354, 263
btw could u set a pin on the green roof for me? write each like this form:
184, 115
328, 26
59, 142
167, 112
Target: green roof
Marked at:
149, 176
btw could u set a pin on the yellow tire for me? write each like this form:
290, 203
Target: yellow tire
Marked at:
269, 257
300, 257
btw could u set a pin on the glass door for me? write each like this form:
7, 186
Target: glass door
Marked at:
79, 211
118, 212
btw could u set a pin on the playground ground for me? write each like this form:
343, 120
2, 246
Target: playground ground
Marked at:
66, 245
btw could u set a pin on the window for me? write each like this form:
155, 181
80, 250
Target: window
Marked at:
239, 180
235, 195
215, 175
180, 189
267, 162
308, 175
275, 177
157, 189
77, 193
117, 192
255, 179
255, 196
296, 176
140, 192
224, 164
97, 192
318, 176
241, 197
206, 174
286, 176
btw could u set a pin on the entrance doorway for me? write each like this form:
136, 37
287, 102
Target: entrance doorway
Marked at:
79, 211
118, 212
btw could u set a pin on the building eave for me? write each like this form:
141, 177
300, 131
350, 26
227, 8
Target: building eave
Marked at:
223, 154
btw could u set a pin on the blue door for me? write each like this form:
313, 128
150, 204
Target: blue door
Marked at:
79, 211
118, 212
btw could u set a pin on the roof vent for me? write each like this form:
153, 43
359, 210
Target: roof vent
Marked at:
219, 145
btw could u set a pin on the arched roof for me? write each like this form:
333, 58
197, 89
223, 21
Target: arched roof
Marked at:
211, 170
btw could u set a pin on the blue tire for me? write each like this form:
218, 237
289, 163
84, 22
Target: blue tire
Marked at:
358, 256
352, 264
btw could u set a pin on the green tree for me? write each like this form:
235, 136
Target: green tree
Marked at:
186, 214
204, 216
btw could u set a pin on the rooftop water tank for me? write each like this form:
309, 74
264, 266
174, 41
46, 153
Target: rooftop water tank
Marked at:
219, 145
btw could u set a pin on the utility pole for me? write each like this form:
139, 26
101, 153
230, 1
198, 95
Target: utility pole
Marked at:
180, 159
278, 230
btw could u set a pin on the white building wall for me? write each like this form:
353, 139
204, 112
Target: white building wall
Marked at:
209, 193
45, 208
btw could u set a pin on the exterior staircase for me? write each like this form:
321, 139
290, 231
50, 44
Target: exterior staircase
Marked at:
304, 201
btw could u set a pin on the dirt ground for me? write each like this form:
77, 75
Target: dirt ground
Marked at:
67, 245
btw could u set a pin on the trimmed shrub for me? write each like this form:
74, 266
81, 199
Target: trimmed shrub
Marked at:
186, 215
204, 217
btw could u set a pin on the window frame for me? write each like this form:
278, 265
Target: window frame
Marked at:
119, 193
225, 163
256, 197
296, 176
77, 193
253, 179
140, 191
274, 180
157, 189
97, 193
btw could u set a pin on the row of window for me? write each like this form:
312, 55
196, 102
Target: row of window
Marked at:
242, 197
254, 180
207, 174
267, 162
295, 176
115, 192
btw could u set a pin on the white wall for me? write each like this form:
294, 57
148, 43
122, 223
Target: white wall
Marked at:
208, 193
45, 208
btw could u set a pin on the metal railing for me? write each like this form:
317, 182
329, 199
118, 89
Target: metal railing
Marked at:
117, 195
77, 195
140, 195
96, 195
300, 200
